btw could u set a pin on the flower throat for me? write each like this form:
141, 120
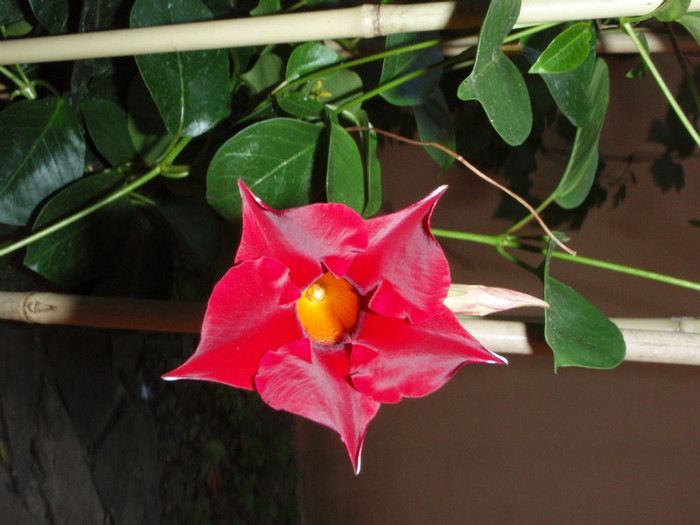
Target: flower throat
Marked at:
328, 309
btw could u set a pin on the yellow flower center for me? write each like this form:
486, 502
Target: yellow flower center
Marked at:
328, 309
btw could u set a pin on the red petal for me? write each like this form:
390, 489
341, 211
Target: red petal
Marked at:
314, 384
404, 263
251, 311
392, 358
301, 238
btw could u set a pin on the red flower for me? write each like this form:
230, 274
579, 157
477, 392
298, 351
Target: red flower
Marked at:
327, 315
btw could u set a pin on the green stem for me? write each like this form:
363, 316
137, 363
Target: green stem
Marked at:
459, 59
530, 216
492, 240
286, 85
505, 242
627, 27
6, 250
290, 84
529, 31
629, 270
170, 155
24, 85
398, 81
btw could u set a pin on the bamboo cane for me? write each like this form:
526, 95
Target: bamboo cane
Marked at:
366, 21
666, 341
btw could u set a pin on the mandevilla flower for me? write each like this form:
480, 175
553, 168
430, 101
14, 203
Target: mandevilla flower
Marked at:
327, 315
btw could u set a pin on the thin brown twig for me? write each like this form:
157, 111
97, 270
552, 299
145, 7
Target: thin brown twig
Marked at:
476, 171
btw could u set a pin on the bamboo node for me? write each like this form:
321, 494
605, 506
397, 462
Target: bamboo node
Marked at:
372, 26
31, 307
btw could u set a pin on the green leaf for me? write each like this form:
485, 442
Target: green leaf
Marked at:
668, 11
495, 81
51, 14
300, 105
580, 171
341, 87
435, 125
576, 331
191, 89
694, 222
82, 250
41, 151
266, 7
344, 178
107, 124
265, 74
671, 10
146, 128
274, 158
372, 166
567, 51
640, 69
10, 12
568, 89
691, 22
18, 29
100, 14
193, 227
417, 90
309, 57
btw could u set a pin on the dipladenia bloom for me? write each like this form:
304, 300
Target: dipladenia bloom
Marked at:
327, 315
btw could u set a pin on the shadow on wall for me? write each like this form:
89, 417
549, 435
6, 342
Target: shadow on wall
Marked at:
522, 444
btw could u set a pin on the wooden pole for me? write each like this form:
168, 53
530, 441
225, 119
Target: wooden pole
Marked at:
366, 21
668, 341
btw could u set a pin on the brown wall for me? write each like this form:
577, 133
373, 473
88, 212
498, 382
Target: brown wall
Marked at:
521, 444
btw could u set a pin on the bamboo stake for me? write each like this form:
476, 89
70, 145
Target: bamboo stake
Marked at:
643, 345
102, 312
366, 21
607, 43
666, 341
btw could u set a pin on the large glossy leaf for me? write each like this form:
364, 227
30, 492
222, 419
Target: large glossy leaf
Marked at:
146, 128
568, 89
80, 251
100, 14
274, 157
344, 180
191, 89
9, 12
42, 150
309, 57
435, 125
194, 228
568, 50
107, 124
577, 332
417, 90
495, 81
580, 171
51, 14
